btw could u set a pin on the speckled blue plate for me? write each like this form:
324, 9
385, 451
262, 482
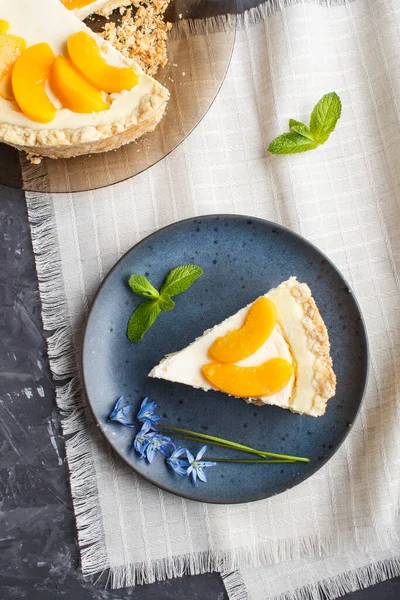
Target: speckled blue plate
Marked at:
242, 258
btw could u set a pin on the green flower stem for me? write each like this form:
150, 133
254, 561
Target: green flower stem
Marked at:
250, 460
247, 460
229, 444
197, 439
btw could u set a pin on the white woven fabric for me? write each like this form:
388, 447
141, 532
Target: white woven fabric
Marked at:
316, 579
345, 198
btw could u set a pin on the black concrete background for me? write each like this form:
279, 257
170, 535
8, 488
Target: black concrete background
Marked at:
38, 549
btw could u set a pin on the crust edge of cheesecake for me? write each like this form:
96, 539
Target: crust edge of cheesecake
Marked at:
324, 378
67, 143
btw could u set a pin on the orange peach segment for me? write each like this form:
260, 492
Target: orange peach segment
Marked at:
4, 27
85, 54
11, 47
29, 77
241, 343
249, 382
74, 91
71, 4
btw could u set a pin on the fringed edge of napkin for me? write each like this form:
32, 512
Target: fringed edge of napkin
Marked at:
235, 586
243, 18
228, 563
326, 589
265, 9
63, 361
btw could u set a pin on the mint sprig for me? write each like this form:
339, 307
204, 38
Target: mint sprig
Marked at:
180, 279
142, 286
291, 143
142, 319
177, 281
166, 302
301, 129
324, 117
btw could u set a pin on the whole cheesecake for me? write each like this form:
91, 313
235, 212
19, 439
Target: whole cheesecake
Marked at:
64, 91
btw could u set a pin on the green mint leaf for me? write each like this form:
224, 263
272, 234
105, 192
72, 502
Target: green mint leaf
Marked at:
142, 319
291, 143
142, 287
180, 279
325, 116
298, 127
165, 302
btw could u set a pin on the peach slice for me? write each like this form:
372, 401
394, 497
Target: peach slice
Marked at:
29, 77
11, 46
71, 4
249, 382
74, 91
241, 343
85, 54
4, 27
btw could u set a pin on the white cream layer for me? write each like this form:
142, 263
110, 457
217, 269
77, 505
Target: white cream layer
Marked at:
185, 366
49, 21
288, 341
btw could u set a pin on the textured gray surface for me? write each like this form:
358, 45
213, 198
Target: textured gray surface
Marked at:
38, 551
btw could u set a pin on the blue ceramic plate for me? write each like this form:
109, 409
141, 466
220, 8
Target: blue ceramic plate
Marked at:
242, 258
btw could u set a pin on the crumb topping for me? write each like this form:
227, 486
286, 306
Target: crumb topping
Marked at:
143, 35
34, 159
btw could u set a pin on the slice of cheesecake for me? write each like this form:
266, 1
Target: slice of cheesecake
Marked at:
64, 91
299, 339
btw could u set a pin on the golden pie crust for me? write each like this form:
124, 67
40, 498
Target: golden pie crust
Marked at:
324, 378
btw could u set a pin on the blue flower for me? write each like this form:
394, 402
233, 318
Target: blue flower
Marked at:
146, 412
147, 442
141, 440
158, 442
123, 413
178, 464
196, 465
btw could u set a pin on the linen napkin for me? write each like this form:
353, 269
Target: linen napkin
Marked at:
339, 528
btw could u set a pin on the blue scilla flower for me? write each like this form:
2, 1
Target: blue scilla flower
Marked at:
159, 442
178, 461
141, 440
197, 466
147, 442
146, 412
123, 413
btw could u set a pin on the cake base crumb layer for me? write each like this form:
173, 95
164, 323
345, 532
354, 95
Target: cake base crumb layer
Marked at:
317, 341
112, 142
142, 36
